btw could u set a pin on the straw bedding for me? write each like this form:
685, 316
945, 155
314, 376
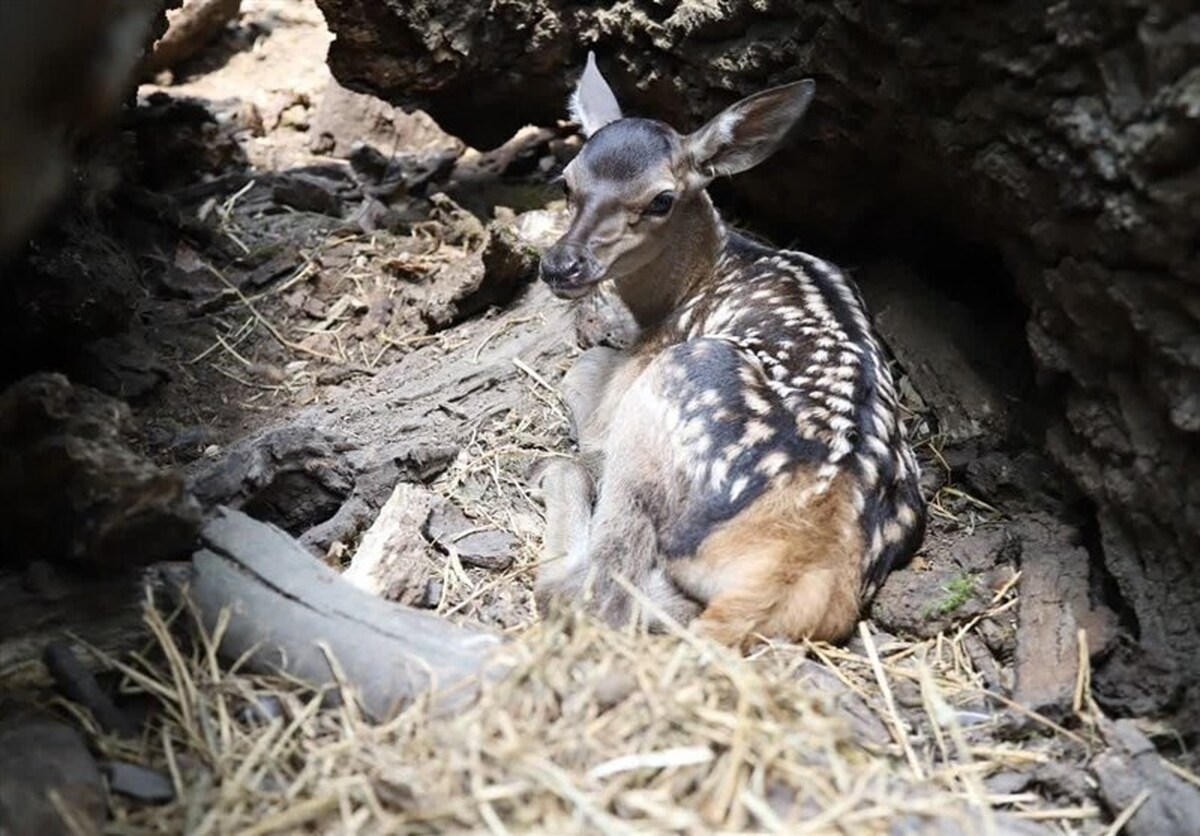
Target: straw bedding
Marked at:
593, 730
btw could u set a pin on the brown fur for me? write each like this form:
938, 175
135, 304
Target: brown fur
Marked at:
787, 567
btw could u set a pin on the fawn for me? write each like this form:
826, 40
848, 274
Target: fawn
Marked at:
742, 460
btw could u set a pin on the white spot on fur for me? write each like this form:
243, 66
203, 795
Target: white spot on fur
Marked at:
878, 447
893, 532
738, 487
772, 463
718, 474
757, 432
756, 402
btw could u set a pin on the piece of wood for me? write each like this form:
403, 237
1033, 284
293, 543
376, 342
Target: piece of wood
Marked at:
392, 555
1054, 604
1047, 655
78, 683
291, 613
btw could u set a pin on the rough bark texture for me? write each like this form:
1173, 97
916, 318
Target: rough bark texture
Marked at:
72, 490
1062, 138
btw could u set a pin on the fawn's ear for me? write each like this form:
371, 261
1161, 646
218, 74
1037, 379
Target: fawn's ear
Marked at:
593, 104
746, 133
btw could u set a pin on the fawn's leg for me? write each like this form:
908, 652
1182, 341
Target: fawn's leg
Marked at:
640, 489
591, 389
562, 572
567, 486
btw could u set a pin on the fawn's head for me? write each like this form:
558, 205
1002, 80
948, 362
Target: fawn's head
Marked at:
637, 185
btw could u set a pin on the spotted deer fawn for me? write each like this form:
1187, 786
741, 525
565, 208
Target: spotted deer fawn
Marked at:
743, 459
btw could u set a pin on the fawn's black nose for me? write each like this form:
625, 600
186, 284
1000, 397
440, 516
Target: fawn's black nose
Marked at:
568, 269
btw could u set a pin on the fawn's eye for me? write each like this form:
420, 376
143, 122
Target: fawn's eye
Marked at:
661, 204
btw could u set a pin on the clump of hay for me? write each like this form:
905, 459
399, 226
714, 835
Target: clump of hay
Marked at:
592, 730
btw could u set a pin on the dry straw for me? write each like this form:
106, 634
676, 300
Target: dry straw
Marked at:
595, 730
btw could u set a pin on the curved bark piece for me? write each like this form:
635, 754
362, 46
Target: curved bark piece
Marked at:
292, 613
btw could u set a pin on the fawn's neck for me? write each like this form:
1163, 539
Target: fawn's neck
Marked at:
696, 237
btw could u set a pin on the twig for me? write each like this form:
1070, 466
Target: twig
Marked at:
274, 332
1083, 673
1123, 819
527, 369
889, 701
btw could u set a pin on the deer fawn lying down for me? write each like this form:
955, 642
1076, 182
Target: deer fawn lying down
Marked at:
743, 459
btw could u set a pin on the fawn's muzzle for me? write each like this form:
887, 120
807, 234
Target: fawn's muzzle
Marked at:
569, 269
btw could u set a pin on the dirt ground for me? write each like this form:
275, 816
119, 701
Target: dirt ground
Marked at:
346, 325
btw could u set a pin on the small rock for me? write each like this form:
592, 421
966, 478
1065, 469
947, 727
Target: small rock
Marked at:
1008, 782
1000, 640
140, 782
264, 709
314, 307
613, 688
277, 265
431, 597
447, 527
294, 116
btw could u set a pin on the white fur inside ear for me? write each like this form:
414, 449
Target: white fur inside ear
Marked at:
575, 109
723, 129
593, 104
712, 138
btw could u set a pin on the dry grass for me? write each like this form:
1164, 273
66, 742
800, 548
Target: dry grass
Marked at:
594, 730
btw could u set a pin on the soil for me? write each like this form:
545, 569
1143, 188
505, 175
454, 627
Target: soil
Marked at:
315, 323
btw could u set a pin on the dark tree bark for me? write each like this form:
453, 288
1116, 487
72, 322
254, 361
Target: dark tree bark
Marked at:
1064, 139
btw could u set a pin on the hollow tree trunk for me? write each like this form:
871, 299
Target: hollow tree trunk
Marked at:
1063, 137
